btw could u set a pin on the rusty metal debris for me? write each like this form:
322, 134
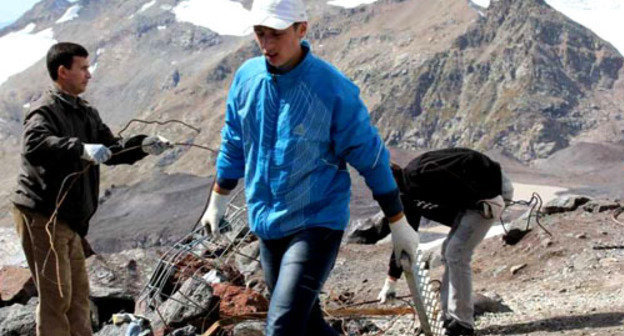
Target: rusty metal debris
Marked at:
190, 256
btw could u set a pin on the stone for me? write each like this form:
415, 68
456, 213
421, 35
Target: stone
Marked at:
120, 275
360, 327
185, 331
564, 204
18, 319
369, 231
597, 206
489, 303
249, 328
16, 285
546, 242
247, 262
236, 300
194, 299
214, 276
112, 330
517, 268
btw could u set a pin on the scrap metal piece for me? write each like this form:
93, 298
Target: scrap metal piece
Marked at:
425, 298
189, 257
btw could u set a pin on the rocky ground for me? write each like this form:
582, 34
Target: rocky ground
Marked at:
570, 283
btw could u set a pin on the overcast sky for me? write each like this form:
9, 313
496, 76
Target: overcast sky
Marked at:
11, 10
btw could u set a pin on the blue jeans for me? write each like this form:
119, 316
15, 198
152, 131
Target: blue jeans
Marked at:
295, 269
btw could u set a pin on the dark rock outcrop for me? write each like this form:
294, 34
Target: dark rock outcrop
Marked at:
564, 204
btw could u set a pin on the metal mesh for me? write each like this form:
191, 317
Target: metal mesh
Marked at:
195, 255
425, 298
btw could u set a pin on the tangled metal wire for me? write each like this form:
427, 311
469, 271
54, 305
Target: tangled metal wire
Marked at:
535, 203
69, 181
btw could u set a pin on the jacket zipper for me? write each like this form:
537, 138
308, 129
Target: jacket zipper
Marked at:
270, 151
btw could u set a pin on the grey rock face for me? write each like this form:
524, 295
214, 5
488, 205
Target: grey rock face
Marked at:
530, 96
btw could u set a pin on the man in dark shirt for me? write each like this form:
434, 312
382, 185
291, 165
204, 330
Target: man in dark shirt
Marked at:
62, 135
465, 190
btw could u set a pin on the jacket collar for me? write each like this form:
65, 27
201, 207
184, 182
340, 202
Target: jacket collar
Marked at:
73, 101
298, 69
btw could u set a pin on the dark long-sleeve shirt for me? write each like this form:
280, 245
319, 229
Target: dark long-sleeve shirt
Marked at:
52, 145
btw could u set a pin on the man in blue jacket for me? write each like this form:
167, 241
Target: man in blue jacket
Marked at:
292, 124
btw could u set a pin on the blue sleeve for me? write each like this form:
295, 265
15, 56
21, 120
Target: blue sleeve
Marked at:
357, 141
231, 159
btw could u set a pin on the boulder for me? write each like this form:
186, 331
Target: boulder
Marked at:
596, 206
112, 330
248, 264
564, 204
489, 303
18, 319
16, 285
369, 231
194, 300
120, 275
236, 300
249, 328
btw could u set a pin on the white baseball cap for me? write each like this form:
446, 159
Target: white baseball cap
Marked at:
277, 14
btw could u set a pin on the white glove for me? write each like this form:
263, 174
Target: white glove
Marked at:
155, 145
492, 208
405, 240
388, 291
215, 212
95, 153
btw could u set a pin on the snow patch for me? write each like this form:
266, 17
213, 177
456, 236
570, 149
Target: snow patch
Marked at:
93, 67
26, 49
481, 3
349, 3
161, 27
70, 14
166, 7
26, 106
224, 17
147, 6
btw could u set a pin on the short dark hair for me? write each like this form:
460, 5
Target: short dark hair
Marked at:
63, 54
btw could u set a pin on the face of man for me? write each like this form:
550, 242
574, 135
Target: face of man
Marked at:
75, 79
281, 48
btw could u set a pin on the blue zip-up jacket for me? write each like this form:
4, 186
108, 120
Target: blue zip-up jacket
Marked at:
291, 137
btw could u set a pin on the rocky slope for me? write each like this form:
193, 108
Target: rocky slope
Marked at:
523, 78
